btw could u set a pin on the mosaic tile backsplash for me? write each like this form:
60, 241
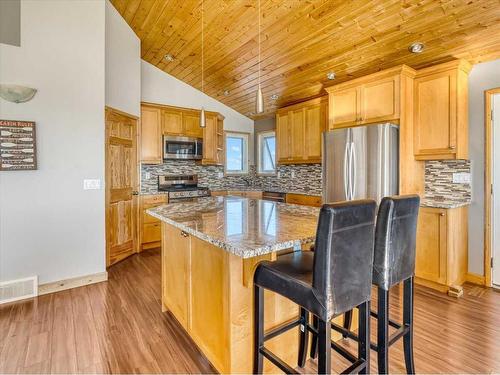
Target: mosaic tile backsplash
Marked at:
439, 184
304, 178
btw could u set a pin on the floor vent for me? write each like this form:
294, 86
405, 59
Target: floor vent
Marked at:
15, 290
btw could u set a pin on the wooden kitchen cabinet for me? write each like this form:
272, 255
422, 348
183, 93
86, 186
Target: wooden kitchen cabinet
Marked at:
213, 140
149, 226
367, 100
150, 135
176, 250
158, 120
440, 114
441, 258
298, 131
303, 199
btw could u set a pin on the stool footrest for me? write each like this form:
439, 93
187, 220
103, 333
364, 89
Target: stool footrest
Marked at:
344, 352
356, 367
277, 361
392, 323
398, 334
280, 329
351, 335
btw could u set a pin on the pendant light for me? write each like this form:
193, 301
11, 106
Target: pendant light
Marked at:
202, 114
259, 99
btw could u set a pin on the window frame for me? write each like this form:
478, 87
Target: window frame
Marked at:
260, 138
246, 141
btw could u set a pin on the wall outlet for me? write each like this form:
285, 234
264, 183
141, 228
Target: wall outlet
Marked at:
279, 175
220, 174
91, 184
147, 175
461, 178
293, 174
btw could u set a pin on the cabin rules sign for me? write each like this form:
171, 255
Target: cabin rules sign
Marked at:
17, 145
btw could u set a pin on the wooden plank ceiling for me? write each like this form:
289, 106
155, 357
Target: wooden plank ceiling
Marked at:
304, 39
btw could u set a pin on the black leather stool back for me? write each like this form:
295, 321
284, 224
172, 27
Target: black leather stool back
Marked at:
343, 256
395, 235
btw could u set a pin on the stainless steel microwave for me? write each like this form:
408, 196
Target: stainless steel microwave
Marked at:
175, 147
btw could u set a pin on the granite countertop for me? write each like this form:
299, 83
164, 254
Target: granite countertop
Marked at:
241, 188
442, 203
242, 226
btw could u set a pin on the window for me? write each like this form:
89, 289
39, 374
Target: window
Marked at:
236, 153
267, 152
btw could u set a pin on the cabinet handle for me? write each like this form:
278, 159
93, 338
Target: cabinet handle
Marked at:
453, 147
441, 214
184, 234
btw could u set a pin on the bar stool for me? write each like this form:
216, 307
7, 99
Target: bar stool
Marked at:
327, 283
394, 263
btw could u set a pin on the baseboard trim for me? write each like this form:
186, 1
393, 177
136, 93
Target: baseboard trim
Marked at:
474, 278
75, 282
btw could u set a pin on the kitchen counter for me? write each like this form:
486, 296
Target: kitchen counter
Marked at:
242, 226
441, 203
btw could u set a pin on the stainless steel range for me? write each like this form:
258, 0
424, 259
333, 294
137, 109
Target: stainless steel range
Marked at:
181, 187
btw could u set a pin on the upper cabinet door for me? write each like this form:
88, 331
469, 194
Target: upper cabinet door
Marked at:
344, 107
210, 140
297, 128
283, 136
314, 126
380, 100
191, 124
151, 139
440, 113
171, 121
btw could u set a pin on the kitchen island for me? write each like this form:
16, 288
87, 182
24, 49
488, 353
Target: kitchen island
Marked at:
210, 248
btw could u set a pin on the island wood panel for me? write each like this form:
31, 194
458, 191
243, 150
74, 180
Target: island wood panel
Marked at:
210, 292
297, 51
121, 182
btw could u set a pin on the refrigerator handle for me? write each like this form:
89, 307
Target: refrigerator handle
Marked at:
352, 164
346, 171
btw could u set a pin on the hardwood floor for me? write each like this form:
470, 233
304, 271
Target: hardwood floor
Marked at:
118, 327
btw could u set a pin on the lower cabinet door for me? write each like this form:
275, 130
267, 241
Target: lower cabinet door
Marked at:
175, 264
151, 232
431, 256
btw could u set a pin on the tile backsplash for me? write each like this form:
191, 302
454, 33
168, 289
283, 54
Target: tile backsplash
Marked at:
303, 178
439, 184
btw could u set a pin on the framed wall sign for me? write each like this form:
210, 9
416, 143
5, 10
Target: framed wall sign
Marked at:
17, 145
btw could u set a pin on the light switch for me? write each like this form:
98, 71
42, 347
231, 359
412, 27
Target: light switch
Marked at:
461, 178
220, 175
91, 184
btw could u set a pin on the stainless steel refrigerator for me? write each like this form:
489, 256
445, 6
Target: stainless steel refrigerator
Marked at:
361, 162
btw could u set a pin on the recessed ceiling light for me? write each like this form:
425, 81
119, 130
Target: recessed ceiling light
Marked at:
274, 97
416, 47
226, 92
169, 57
330, 75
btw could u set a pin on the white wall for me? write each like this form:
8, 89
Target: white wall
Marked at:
482, 77
162, 88
123, 64
49, 226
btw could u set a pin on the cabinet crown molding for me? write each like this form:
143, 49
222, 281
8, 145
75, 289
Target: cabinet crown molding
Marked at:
459, 64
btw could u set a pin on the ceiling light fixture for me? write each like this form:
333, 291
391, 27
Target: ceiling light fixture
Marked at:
259, 99
169, 57
417, 47
226, 92
330, 76
203, 122
274, 97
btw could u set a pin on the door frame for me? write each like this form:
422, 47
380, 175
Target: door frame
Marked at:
488, 133
108, 109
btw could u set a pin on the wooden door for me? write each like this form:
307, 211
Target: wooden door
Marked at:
380, 100
297, 134
431, 257
175, 284
151, 139
171, 121
191, 124
314, 125
121, 185
435, 115
344, 107
283, 136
